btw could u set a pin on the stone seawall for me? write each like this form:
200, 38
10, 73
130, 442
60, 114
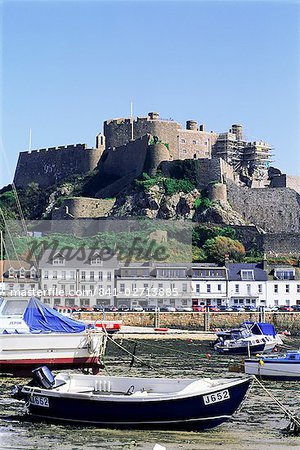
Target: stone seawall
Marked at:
195, 321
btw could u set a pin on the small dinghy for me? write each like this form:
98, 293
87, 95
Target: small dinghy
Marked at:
128, 402
279, 367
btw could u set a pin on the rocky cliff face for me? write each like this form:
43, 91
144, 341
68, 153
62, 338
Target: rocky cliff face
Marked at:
156, 204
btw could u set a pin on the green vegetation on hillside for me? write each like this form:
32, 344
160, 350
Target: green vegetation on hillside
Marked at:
169, 185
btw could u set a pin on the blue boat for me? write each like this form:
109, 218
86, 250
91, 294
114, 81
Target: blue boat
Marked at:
277, 367
128, 402
249, 338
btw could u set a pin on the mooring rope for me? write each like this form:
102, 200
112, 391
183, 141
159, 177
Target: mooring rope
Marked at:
295, 420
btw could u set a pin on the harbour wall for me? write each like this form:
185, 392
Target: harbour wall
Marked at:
196, 320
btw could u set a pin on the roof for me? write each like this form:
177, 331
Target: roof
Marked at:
76, 259
234, 271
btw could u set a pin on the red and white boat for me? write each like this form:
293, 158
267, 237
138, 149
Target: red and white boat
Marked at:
32, 334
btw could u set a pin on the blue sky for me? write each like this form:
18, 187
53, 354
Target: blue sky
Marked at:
68, 66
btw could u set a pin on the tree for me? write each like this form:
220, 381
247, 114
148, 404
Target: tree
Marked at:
216, 249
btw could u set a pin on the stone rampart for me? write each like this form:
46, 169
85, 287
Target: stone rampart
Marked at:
275, 210
195, 321
50, 166
83, 207
290, 181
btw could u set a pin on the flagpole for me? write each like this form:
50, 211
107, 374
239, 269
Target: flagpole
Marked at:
131, 118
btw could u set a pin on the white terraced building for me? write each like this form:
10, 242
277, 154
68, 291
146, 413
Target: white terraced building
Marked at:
72, 279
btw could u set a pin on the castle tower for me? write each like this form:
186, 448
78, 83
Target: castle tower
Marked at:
238, 131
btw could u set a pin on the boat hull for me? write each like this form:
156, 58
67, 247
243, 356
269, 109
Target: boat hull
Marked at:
240, 350
188, 413
273, 370
20, 354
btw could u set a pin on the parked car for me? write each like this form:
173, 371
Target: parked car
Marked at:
184, 309
123, 308
198, 308
213, 308
168, 309
238, 308
286, 309
251, 308
137, 308
296, 308
274, 308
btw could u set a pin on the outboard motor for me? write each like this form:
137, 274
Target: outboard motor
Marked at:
43, 377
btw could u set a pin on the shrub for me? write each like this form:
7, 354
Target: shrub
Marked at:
216, 249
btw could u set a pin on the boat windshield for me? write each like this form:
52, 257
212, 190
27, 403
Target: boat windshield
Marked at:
14, 307
240, 334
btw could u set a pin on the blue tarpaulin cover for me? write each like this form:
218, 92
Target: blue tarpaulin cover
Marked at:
41, 318
263, 328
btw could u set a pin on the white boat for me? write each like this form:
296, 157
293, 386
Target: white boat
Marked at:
129, 402
277, 367
39, 335
250, 337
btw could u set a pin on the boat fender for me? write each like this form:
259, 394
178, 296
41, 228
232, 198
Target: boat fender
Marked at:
261, 362
92, 343
130, 390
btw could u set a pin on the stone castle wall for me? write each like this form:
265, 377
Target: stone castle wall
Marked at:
273, 209
49, 166
118, 132
79, 207
282, 180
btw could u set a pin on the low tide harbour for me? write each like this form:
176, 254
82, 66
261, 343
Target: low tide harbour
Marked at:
258, 425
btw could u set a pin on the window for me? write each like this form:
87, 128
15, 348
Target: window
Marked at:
219, 287
56, 301
46, 300
108, 276
184, 150
182, 141
284, 274
287, 288
96, 262
11, 273
208, 288
276, 302
54, 276
195, 142
247, 274
237, 288
100, 276
260, 288
160, 285
92, 276
83, 275
133, 286
32, 286
58, 261
122, 287
63, 275
22, 273
184, 287
45, 287
198, 288
32, 273
248, 289
146, 285
46, 274
72, 275
92, 289
276, 288
63, 288
298, 288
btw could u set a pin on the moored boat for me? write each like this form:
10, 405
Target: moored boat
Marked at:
277, 367
186, 404
40, 335
249, 338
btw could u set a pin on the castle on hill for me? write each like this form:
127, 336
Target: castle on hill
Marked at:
127, 146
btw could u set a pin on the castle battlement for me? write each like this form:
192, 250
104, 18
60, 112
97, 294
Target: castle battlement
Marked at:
61, 147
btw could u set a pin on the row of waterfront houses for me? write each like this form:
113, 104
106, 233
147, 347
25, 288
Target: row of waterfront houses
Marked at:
68, 281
